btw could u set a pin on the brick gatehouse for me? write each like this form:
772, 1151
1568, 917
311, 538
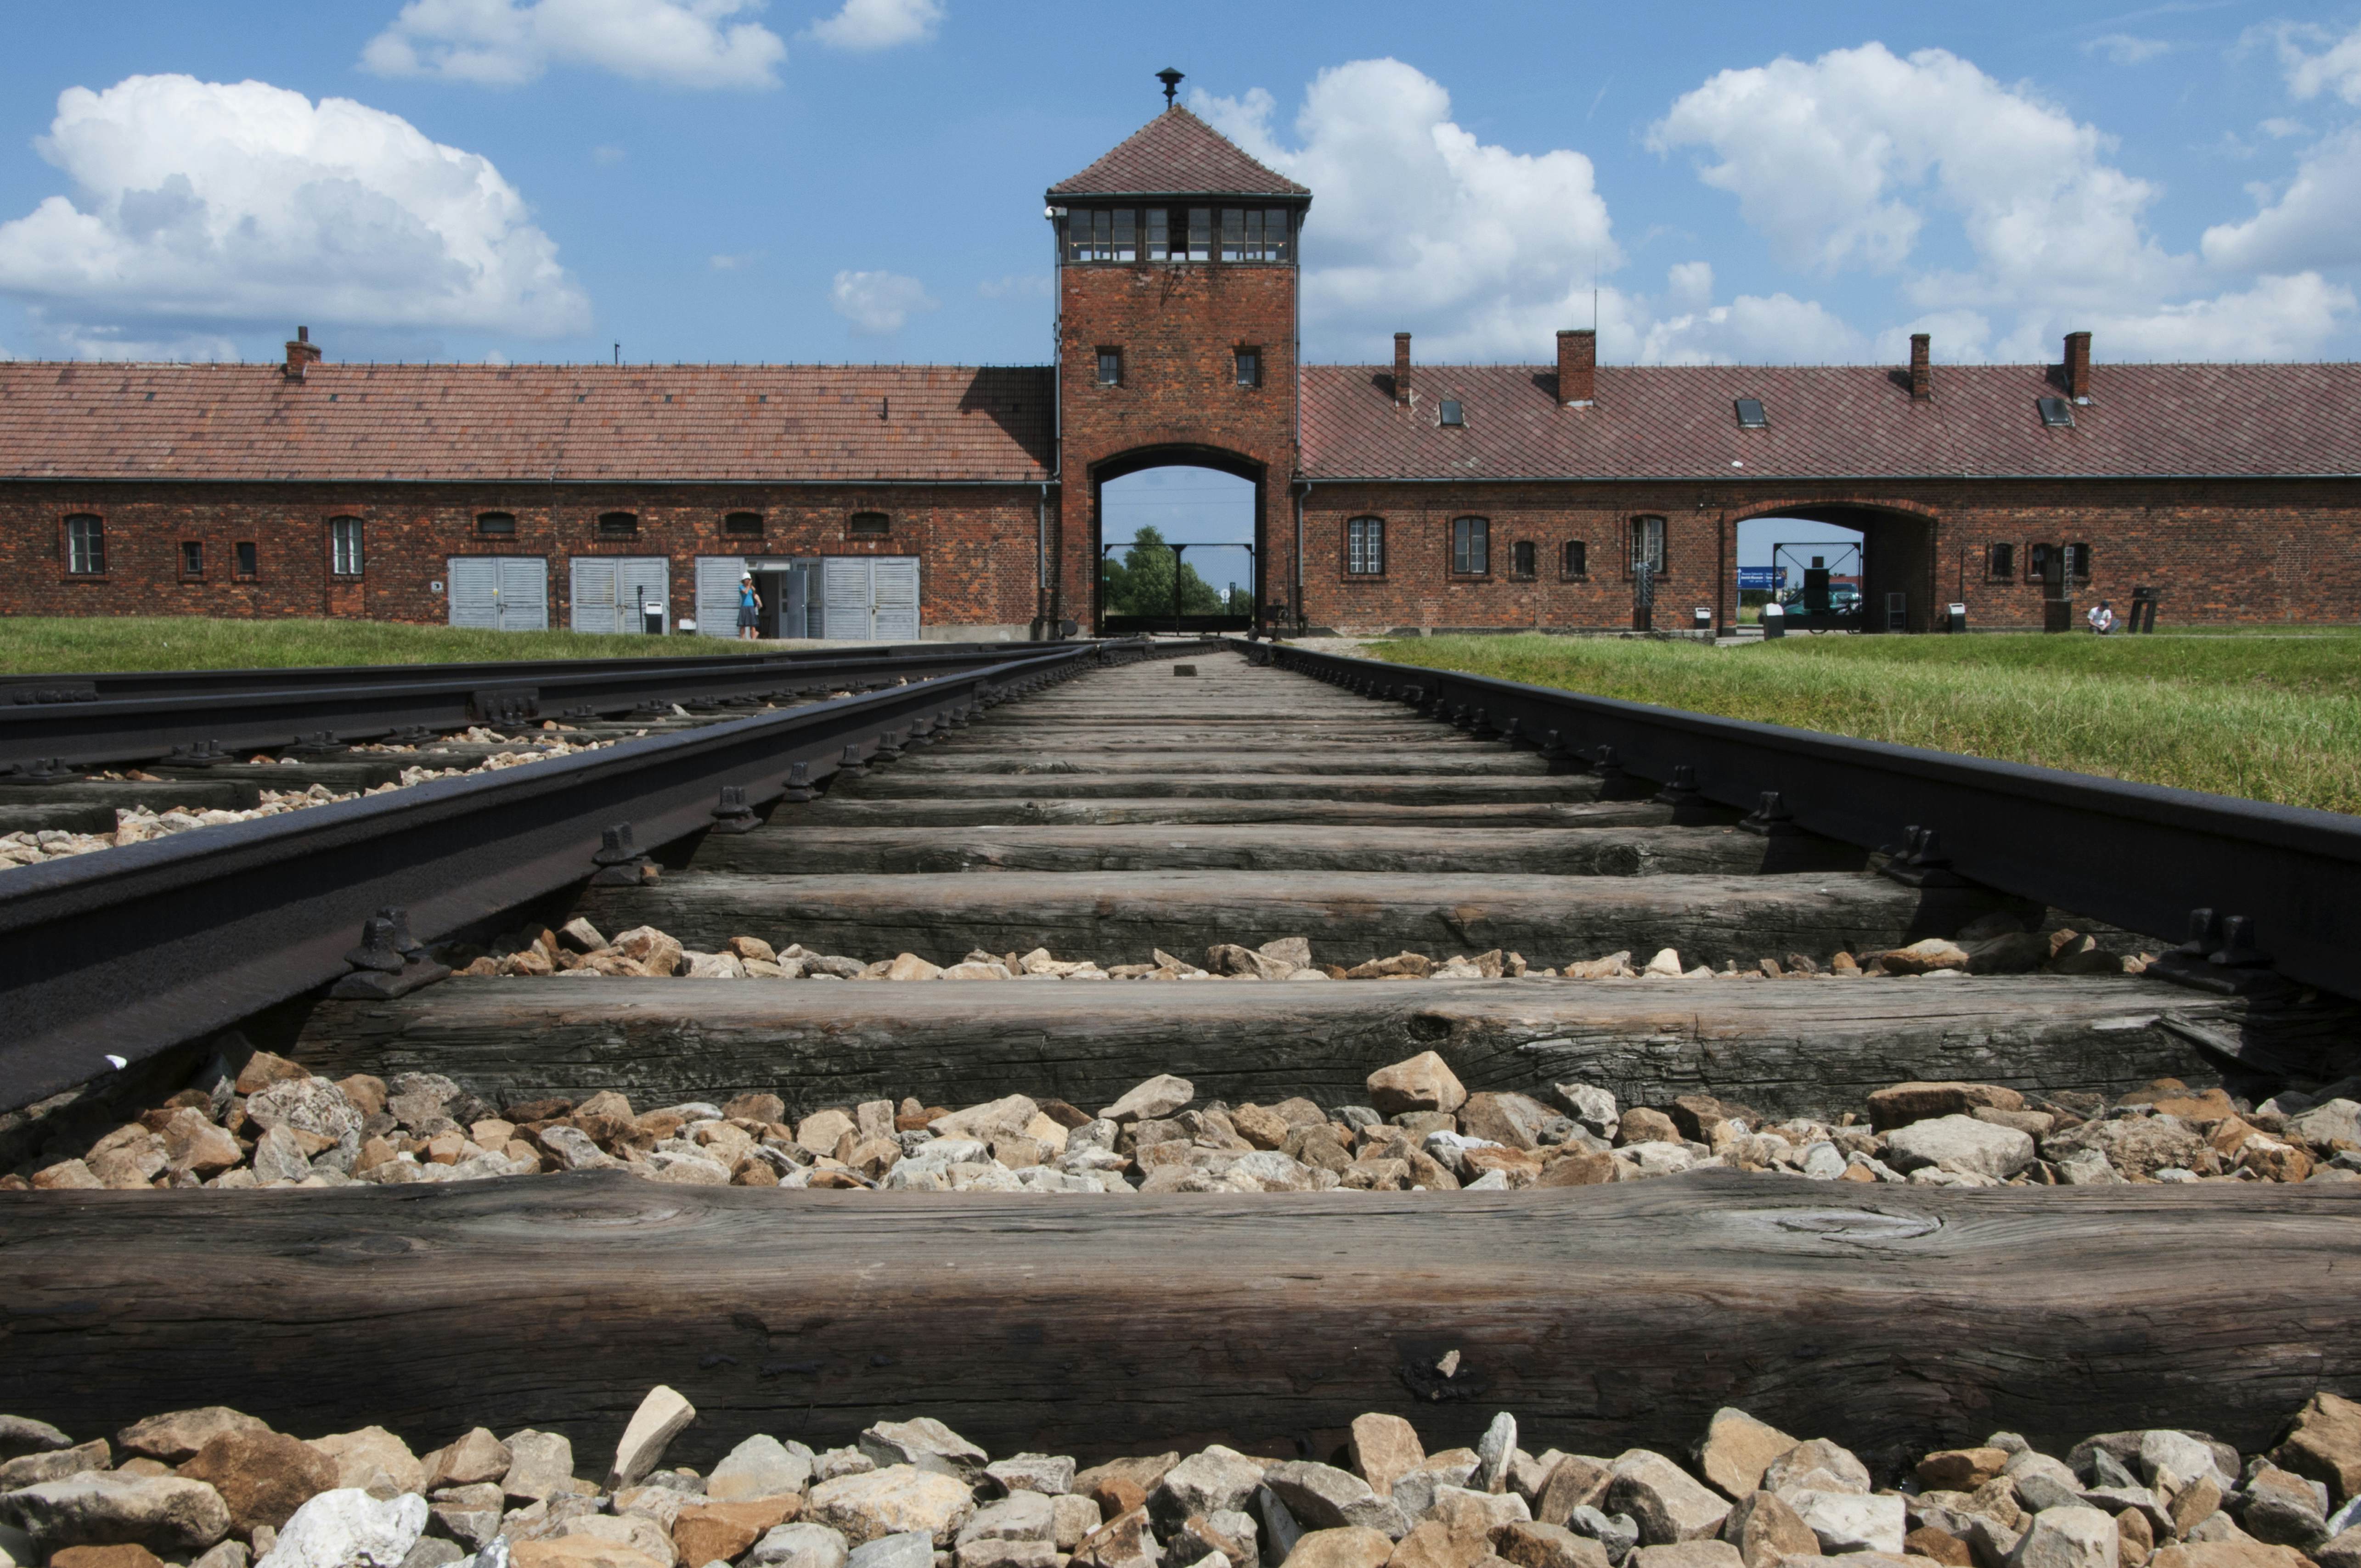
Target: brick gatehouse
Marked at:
894, 502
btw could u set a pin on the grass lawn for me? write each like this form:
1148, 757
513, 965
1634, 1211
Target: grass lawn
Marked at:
2271, 717
68, 645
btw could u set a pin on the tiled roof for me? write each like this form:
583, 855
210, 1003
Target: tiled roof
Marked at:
1678, 421
1177, 154
88, 419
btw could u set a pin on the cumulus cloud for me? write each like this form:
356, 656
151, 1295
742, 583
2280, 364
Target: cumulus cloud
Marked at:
1421, 225
2336, 68
879, 24
1841, 163
878, 304
678, 43
200, 209
2314, 221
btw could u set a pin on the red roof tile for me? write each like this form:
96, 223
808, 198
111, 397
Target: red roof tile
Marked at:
1177, 154
88, 419
1678, 421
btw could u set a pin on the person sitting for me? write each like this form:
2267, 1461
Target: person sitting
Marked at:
2102, 617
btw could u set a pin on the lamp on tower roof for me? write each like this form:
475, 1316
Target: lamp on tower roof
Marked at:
1171, 79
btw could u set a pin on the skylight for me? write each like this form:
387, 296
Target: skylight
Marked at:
1452, 413
1750, 415
2057, 411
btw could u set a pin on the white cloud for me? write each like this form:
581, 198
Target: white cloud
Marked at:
607, 156
1845, 162
679, 43
200, 208
733, 261
2279, 128
1420, 225
2126, 49
2337, 68
1752, 330
2315, 222
878, 303
879, 24
1017, 285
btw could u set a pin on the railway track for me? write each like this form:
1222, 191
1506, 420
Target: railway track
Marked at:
1168, 813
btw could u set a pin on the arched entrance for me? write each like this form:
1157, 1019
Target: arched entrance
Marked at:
1865, 567
1176, 541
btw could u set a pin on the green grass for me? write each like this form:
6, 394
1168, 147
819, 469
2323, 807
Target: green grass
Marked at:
62, 645
2270, 718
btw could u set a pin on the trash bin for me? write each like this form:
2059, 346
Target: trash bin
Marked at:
1956, 617
1702, 618
1775, 619
652, 620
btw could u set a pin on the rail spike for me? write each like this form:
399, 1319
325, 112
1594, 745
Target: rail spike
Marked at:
799, 783
618, 860
732, 814
390, 962
849, 765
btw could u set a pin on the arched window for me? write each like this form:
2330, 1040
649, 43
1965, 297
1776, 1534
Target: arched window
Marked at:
1365, 547
85, 546
496, 524
1471, 546
1575, 563
872, 524
618, 525
1524, 558
742, 525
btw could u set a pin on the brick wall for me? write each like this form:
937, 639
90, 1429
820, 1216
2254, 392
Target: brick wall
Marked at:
1178, 328
2222, 551
976, 545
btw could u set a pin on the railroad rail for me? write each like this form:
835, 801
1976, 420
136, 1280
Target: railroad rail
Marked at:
1165, 808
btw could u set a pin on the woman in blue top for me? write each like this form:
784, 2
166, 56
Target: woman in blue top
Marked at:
750, 606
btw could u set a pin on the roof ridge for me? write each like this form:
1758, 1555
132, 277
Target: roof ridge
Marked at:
1177, 154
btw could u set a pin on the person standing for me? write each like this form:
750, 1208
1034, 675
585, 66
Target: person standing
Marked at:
749, 609
2102, 617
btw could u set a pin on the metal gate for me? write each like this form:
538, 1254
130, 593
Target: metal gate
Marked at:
611, 593
500, 593
872, 599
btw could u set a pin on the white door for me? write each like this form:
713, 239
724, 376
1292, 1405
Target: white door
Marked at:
523, 593
845, 588
474, 591
893, 586
592, 606
717, 594
642, 583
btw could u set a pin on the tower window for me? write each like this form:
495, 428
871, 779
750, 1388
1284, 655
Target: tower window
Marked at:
1109, 368
618, 525
743, 525
1365, 547
874, 524
1250, 365
344, 547
192, 559
86, 546
496, 524
1201, 234
1575, 561
1471, 546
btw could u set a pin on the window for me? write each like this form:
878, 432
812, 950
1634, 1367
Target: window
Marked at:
1523, 556
193, 558
1159, 234
2039, 561
872, 523
743, 525
344, 547
1999, 562
1249, 364
618, 525
1177, 233
2056, 411
2078, 563
247, 558
1750, 415
496, 524
1451, 413
1365, 547
1201, 234
1471, 546
1647, 545
86, 546
1575, 562
1109, 368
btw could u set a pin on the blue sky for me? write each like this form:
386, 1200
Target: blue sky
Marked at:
861, 179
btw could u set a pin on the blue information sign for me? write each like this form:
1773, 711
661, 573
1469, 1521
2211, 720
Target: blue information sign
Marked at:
1768, 579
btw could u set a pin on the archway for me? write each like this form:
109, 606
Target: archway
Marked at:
1176, 541
1864, 568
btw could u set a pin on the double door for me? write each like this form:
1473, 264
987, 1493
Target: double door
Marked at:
870, 597
618, 593
499, 593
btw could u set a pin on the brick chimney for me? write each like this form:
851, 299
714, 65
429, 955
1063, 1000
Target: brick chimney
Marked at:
301, 351
1577, 367
2078, 366
1401, 369
1922, 374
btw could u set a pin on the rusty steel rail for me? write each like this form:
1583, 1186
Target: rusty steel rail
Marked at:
2247, 890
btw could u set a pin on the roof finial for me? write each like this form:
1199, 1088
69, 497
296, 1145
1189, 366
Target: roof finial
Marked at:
1171, 79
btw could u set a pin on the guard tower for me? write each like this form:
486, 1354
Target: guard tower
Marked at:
1178, 336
